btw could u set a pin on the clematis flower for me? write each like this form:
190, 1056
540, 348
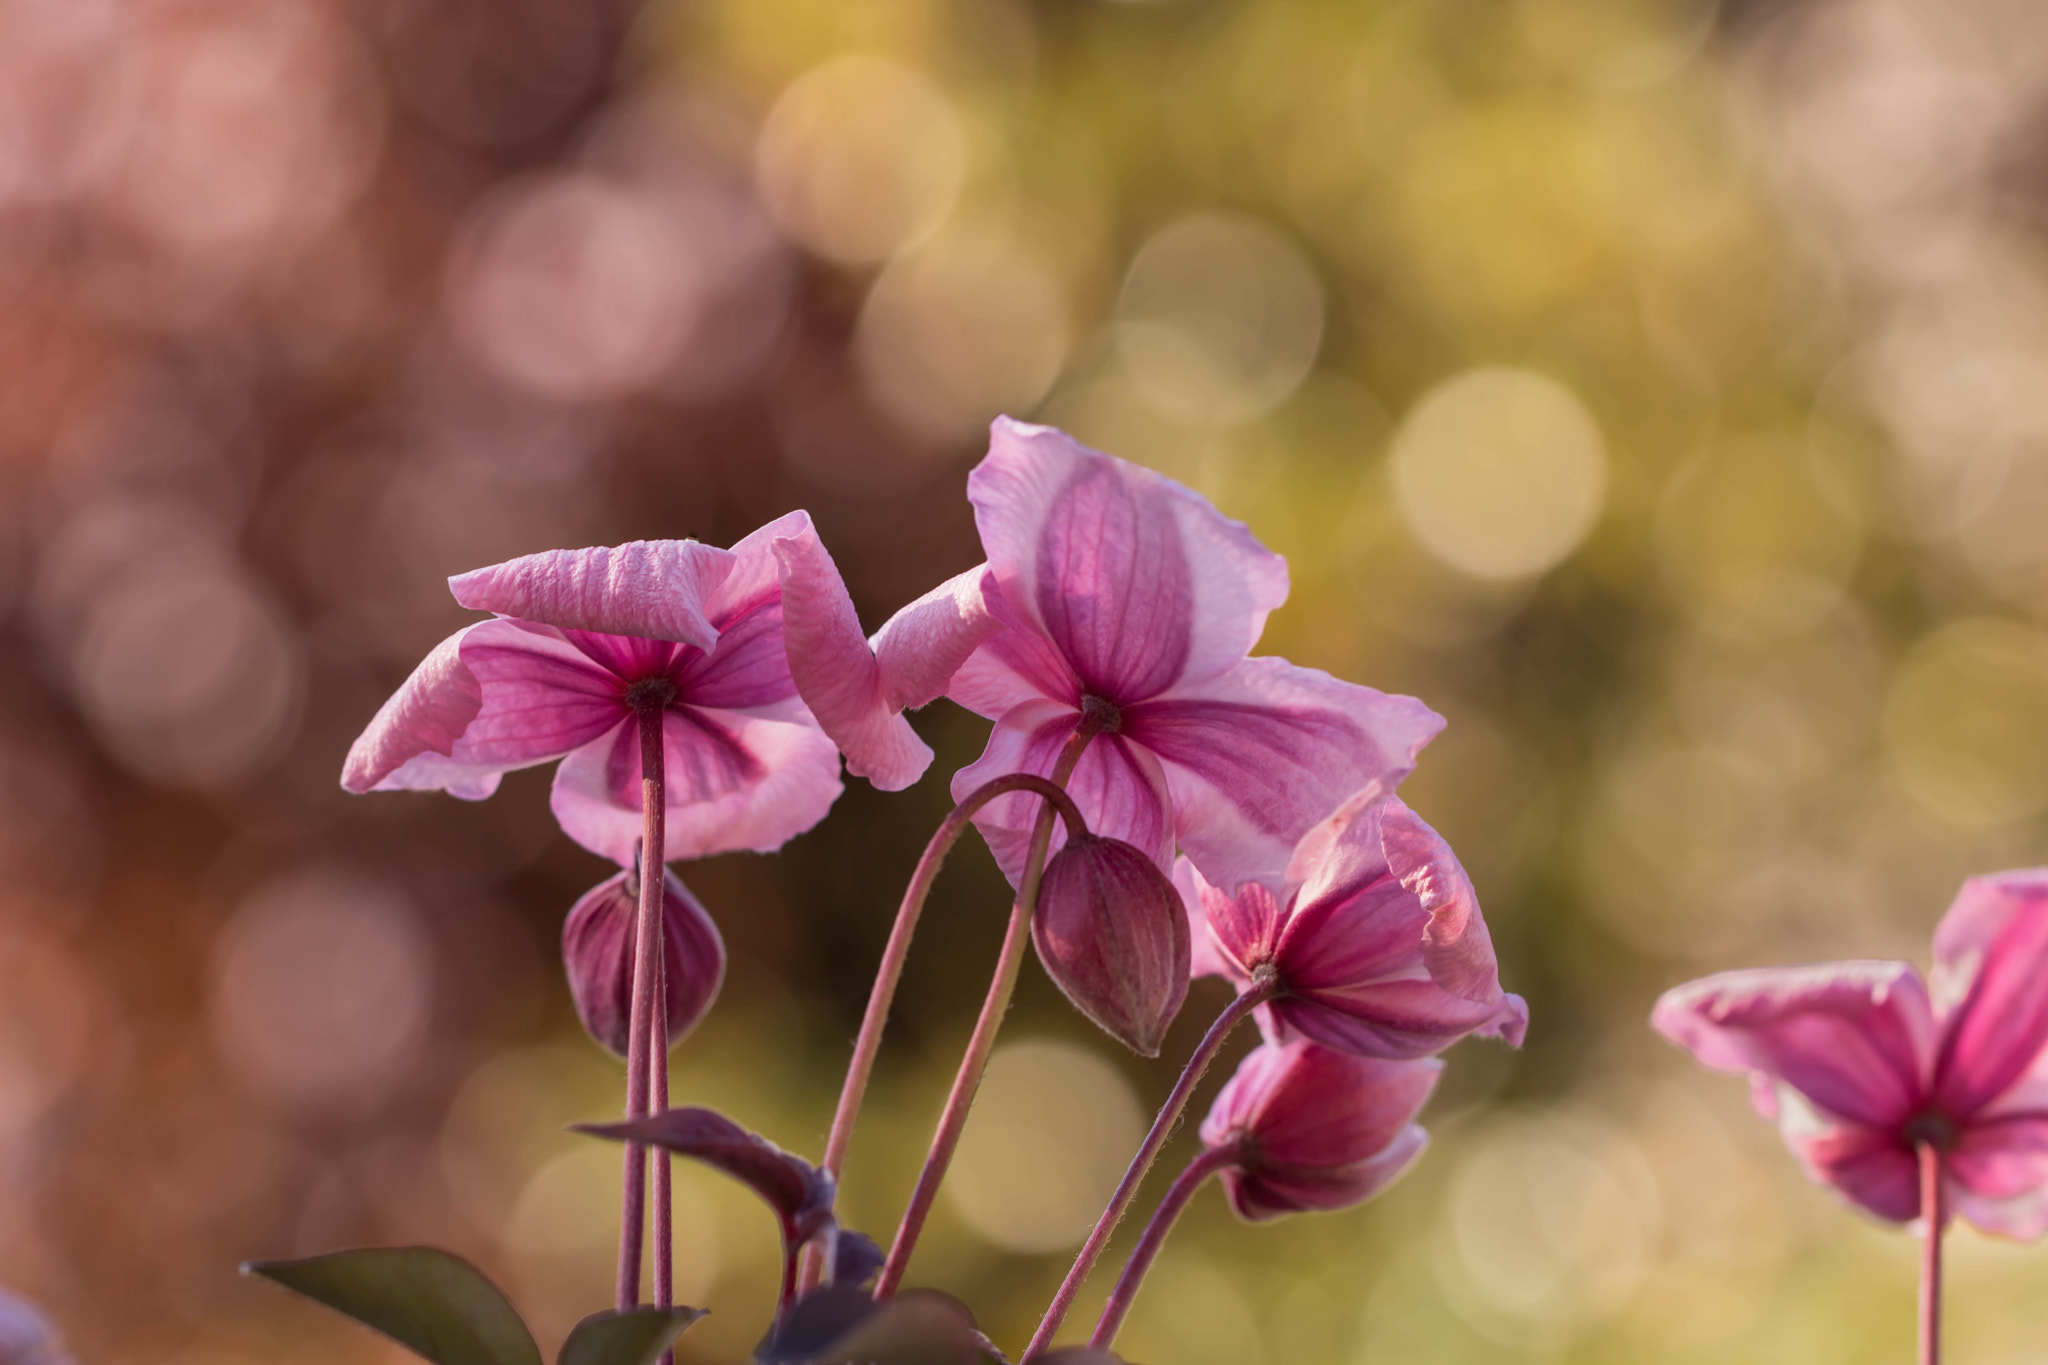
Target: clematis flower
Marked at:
1114, 595
1861, 1064
1307, 1128
1373, 942
731, 643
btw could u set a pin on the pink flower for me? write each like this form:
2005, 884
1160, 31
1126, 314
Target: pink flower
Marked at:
1373, 943
736, 641
1310, 1128
1114, 592
1859, 1063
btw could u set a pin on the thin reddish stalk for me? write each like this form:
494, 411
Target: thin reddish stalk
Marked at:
967, 1080
657, 1077
1148, 1151
646, 953
890, 972
1142, 1255
1930, 1255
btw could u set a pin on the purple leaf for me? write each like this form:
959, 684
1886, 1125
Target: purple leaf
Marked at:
799, 1192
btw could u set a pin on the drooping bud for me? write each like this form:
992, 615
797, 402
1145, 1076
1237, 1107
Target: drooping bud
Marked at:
597, 952
1312, 1128
1111, 932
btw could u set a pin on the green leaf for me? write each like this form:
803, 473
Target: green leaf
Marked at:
921, 1327
637, 1337
438, 1306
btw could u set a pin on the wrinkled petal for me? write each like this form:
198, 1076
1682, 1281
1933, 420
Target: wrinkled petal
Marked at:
1257, 756
542, 695
1118, 787
734, 780
921, 647
1992, 949
652, 588
1233, 934
1456, 947
1855, 1038
425, 716
1139, 581
756, 576
835, 671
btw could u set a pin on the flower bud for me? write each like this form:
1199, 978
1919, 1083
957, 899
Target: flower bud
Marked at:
1314, 1128
1111, 932
597, 951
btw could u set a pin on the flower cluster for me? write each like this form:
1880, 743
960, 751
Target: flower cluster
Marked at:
1165, 803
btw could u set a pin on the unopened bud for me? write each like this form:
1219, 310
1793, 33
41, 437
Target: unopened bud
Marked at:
597, 952
1312, 1128
1111, 932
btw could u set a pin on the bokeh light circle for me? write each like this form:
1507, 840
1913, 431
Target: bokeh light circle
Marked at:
1054, 1125
1966, 722
861, 158
1500, 473
1219, 319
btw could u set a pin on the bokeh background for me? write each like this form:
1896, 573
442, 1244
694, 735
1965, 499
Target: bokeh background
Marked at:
1658, 388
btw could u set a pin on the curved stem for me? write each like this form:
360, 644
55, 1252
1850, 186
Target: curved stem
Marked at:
1148, 1152
869, 1041
967, 1079
1930, 1254
646, 951
1142, 1255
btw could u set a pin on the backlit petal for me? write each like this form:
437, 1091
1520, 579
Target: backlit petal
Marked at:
1259, 755
652, 588
921, 647
1992, 949
1855, 1038
542, 695
425, 716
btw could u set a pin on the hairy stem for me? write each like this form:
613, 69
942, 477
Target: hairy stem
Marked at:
1142, 1255
639, 1034
1004, 984
657, 1076
869, 1041
1930, 1254
1148, 1152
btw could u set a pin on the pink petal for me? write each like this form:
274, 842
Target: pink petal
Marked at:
734, 780
1868, 1166
542, 695
1236, 932
1206, 956
1994, 942
1016, 664
1118, 786
757, 573
1997, 1175
424, 717
836, 672
652, 588
1395, 1019
1455, 946
1269, 1192
1257, 756
748, 669
1855, 1038
921, 647
1139, 581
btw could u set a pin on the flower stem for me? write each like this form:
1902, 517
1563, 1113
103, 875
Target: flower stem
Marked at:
1148, 1152
639, 1034
657, 1077
1930, 1255
997, 1003
1142, 1255
890, 972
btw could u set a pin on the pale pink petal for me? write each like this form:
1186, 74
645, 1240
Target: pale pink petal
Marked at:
1259, 755
542, 695
1016, 664
1118, 786
921, 647
425, 716
1855, 1038
1997, 1176
757, 573
1205, 956
1140, 581
835, 671
1992, 946
1346, 849
651, 588
734, 780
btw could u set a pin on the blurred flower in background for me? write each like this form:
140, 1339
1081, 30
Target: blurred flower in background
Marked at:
1653, 387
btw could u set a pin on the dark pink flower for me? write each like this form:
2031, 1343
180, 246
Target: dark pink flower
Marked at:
1373, 942
1859, 1063
735, 642
1112, 590
597, 953
1310, 1128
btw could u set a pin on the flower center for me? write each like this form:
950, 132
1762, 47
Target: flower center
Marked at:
1936, 1130
651, 694
1101, 716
